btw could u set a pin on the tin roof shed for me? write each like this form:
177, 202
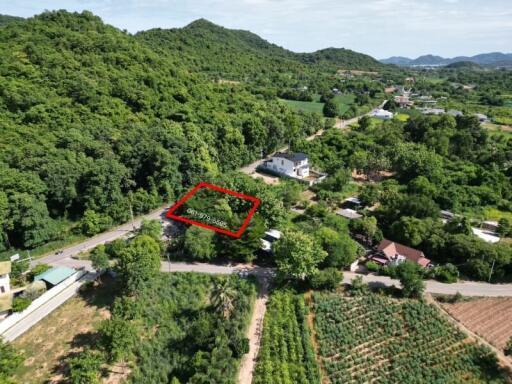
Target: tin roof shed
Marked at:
55, 275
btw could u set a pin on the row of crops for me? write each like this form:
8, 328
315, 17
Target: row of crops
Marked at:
286, 355
379, 339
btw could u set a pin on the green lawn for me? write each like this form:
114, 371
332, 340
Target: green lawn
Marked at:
305, 106
402, 117
343, 101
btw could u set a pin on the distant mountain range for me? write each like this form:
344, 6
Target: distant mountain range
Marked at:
493, 59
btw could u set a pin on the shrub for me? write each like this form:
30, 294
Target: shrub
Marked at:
38, 269
372, 266
20, 304
358, 287
456, 298
34, 290
84, 368
446, 273
508, 347
389, 270
240, 346
328, 278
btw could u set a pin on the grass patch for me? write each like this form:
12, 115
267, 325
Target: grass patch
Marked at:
402, 117
305, 106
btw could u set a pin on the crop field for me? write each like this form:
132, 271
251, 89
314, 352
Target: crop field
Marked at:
378, 339
286, 354
490, 318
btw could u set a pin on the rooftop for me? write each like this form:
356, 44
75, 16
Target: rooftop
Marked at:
348, 213
391, 249
55, 275
295, 157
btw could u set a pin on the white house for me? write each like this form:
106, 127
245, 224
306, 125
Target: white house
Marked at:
382, 114
5, 283
291, 164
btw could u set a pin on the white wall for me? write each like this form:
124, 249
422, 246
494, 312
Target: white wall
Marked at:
41, 300
5, 283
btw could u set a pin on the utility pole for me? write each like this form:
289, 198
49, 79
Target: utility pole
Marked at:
492, 269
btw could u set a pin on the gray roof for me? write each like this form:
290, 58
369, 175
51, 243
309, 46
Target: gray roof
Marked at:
295, 157
348, 213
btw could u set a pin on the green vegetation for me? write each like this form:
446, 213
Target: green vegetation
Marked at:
9, 361
194, 339
434, 163
96, 121
370, 337
241, 55
286, 354
305, 106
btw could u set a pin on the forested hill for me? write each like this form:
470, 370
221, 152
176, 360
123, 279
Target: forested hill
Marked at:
242, 55
223, 53
92, 119
6, 19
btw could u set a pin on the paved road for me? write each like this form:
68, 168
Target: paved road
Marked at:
466, 288
44, 310
64, 258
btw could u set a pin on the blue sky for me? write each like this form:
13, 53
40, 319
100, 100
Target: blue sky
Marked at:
380, 28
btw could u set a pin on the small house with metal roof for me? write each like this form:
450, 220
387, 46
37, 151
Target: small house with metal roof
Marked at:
55, 275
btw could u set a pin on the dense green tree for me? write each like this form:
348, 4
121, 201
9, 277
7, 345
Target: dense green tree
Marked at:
245, 247
341, 249
367, 228
99, 259
199, 243
119, 338
138, 263
330, 108
297, 254
410, 276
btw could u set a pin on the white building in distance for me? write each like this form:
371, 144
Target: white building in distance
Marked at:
382, 114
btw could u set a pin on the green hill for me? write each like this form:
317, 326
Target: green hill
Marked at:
6, 19
464, 65
90, 114
242, 55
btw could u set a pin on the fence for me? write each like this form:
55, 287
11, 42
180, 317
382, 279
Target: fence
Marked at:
13, 319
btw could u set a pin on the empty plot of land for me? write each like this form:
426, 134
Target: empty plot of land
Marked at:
60, 335
490, 318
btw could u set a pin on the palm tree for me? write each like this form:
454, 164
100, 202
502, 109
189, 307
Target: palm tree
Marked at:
223, 297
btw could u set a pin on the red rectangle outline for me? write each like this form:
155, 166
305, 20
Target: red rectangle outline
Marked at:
170, 213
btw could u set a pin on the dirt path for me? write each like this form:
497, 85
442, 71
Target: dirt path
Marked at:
314, 341
254, 333
504, 362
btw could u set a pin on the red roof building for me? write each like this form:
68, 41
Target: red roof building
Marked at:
389, 251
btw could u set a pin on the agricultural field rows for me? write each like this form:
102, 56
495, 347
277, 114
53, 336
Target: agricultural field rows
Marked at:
286, 355
490, 318
376, 339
